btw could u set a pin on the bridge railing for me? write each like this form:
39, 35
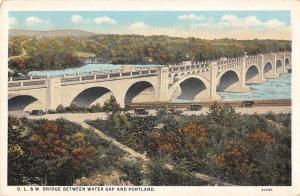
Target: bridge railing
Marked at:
42, 82
187, 67
221, 61
139, 71
28, 83
109, 76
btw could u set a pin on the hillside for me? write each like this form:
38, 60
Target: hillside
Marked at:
45, 34
48, 52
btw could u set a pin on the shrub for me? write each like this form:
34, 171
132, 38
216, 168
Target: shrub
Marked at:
60, 109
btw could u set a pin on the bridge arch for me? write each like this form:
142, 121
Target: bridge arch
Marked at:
141, 91
252, 73
279, 66
175, 77
228, 80
92, 95
268, 67
24, 102
287, 62
190, 87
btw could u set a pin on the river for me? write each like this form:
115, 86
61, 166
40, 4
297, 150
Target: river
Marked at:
273, 89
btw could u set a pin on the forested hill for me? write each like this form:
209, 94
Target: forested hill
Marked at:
45, 53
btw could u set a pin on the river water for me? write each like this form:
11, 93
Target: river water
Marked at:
273, 89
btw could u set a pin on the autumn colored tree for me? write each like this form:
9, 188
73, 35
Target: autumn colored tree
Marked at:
55, 152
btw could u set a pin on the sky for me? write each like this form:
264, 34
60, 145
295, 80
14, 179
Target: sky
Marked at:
201, 24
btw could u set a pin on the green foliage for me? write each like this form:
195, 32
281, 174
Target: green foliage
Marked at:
96, 108
241, 149
55, 152
60, 52
223, 115
111, 105
133, 171
159, 175
47, 53
74, 108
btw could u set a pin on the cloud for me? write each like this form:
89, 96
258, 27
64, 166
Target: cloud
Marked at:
190, 17
33, 21
248, 22
249, 27
12, 21
274, 23
104, 20
228, 26
76, 19
138, 25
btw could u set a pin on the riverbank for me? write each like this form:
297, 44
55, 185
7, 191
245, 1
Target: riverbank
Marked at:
236, 103
80, 117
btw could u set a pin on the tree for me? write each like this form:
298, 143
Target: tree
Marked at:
223, 115
111, 105
17, 153
55, 152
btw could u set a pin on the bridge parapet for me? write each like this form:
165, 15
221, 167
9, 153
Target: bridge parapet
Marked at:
37, 83
190, 67
178, 74
110, 76
42, 82
269, 57
280, 55
187, 67
254, 60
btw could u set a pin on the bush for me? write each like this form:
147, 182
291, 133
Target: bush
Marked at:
61, 109
111, 105
55, 152
96, 108
159, 175
133, 171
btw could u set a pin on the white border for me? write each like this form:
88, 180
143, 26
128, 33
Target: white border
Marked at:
147, 5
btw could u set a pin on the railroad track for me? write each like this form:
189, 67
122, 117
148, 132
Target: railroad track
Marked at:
153, 105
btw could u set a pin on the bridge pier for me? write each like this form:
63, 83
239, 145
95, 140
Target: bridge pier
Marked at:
284, 65
272, 75
53, 93
238, 88
163, 84
213, 83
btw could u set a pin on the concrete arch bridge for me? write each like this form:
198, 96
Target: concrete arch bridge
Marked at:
194, 81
